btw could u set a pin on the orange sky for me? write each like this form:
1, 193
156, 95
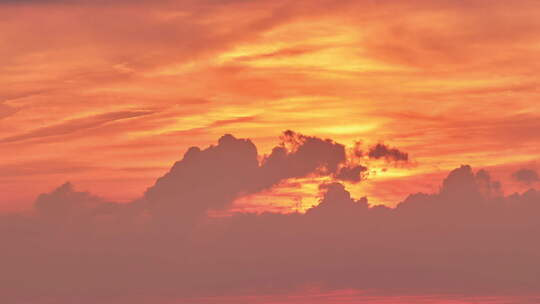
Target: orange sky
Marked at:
110, 95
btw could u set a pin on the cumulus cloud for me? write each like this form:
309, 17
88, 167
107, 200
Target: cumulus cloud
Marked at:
216, 176
526, 176
385, 152
465, 239
66, 203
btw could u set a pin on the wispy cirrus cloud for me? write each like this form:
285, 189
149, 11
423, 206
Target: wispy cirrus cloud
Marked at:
74, 125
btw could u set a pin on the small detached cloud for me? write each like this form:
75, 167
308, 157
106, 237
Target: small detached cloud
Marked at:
352, 174
526, 176
382, 151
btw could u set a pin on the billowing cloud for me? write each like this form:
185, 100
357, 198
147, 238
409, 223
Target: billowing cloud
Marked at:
67, 204
465, 240
526, 176
214, 177
385, 152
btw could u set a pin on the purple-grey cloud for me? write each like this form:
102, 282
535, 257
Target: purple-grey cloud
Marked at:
526, 176
391, 154
216, 176
466, 239
354, 173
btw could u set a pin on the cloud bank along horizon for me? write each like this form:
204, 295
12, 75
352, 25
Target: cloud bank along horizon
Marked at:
465, 241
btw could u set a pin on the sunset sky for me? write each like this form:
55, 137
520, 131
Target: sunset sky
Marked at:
108, 95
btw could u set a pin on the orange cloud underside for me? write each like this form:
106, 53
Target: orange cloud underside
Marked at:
109, 100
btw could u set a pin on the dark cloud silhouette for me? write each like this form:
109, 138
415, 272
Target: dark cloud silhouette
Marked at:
216, 176
391, 154
357, 149
462, 184
299, 155
465, 240
353, 174
64, 203
337, 202
526, 176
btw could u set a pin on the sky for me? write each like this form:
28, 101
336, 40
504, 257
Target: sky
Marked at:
133, 123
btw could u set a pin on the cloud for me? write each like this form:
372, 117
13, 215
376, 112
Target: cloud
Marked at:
467, 239
42, 168
526, 176
283, 53
391, 154
74, 125
6, 111
461, 182
353, 174
66, 204
299, 155
216, 176
337, 202
225, 122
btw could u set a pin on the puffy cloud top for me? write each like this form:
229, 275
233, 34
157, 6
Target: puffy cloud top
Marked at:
212, 178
